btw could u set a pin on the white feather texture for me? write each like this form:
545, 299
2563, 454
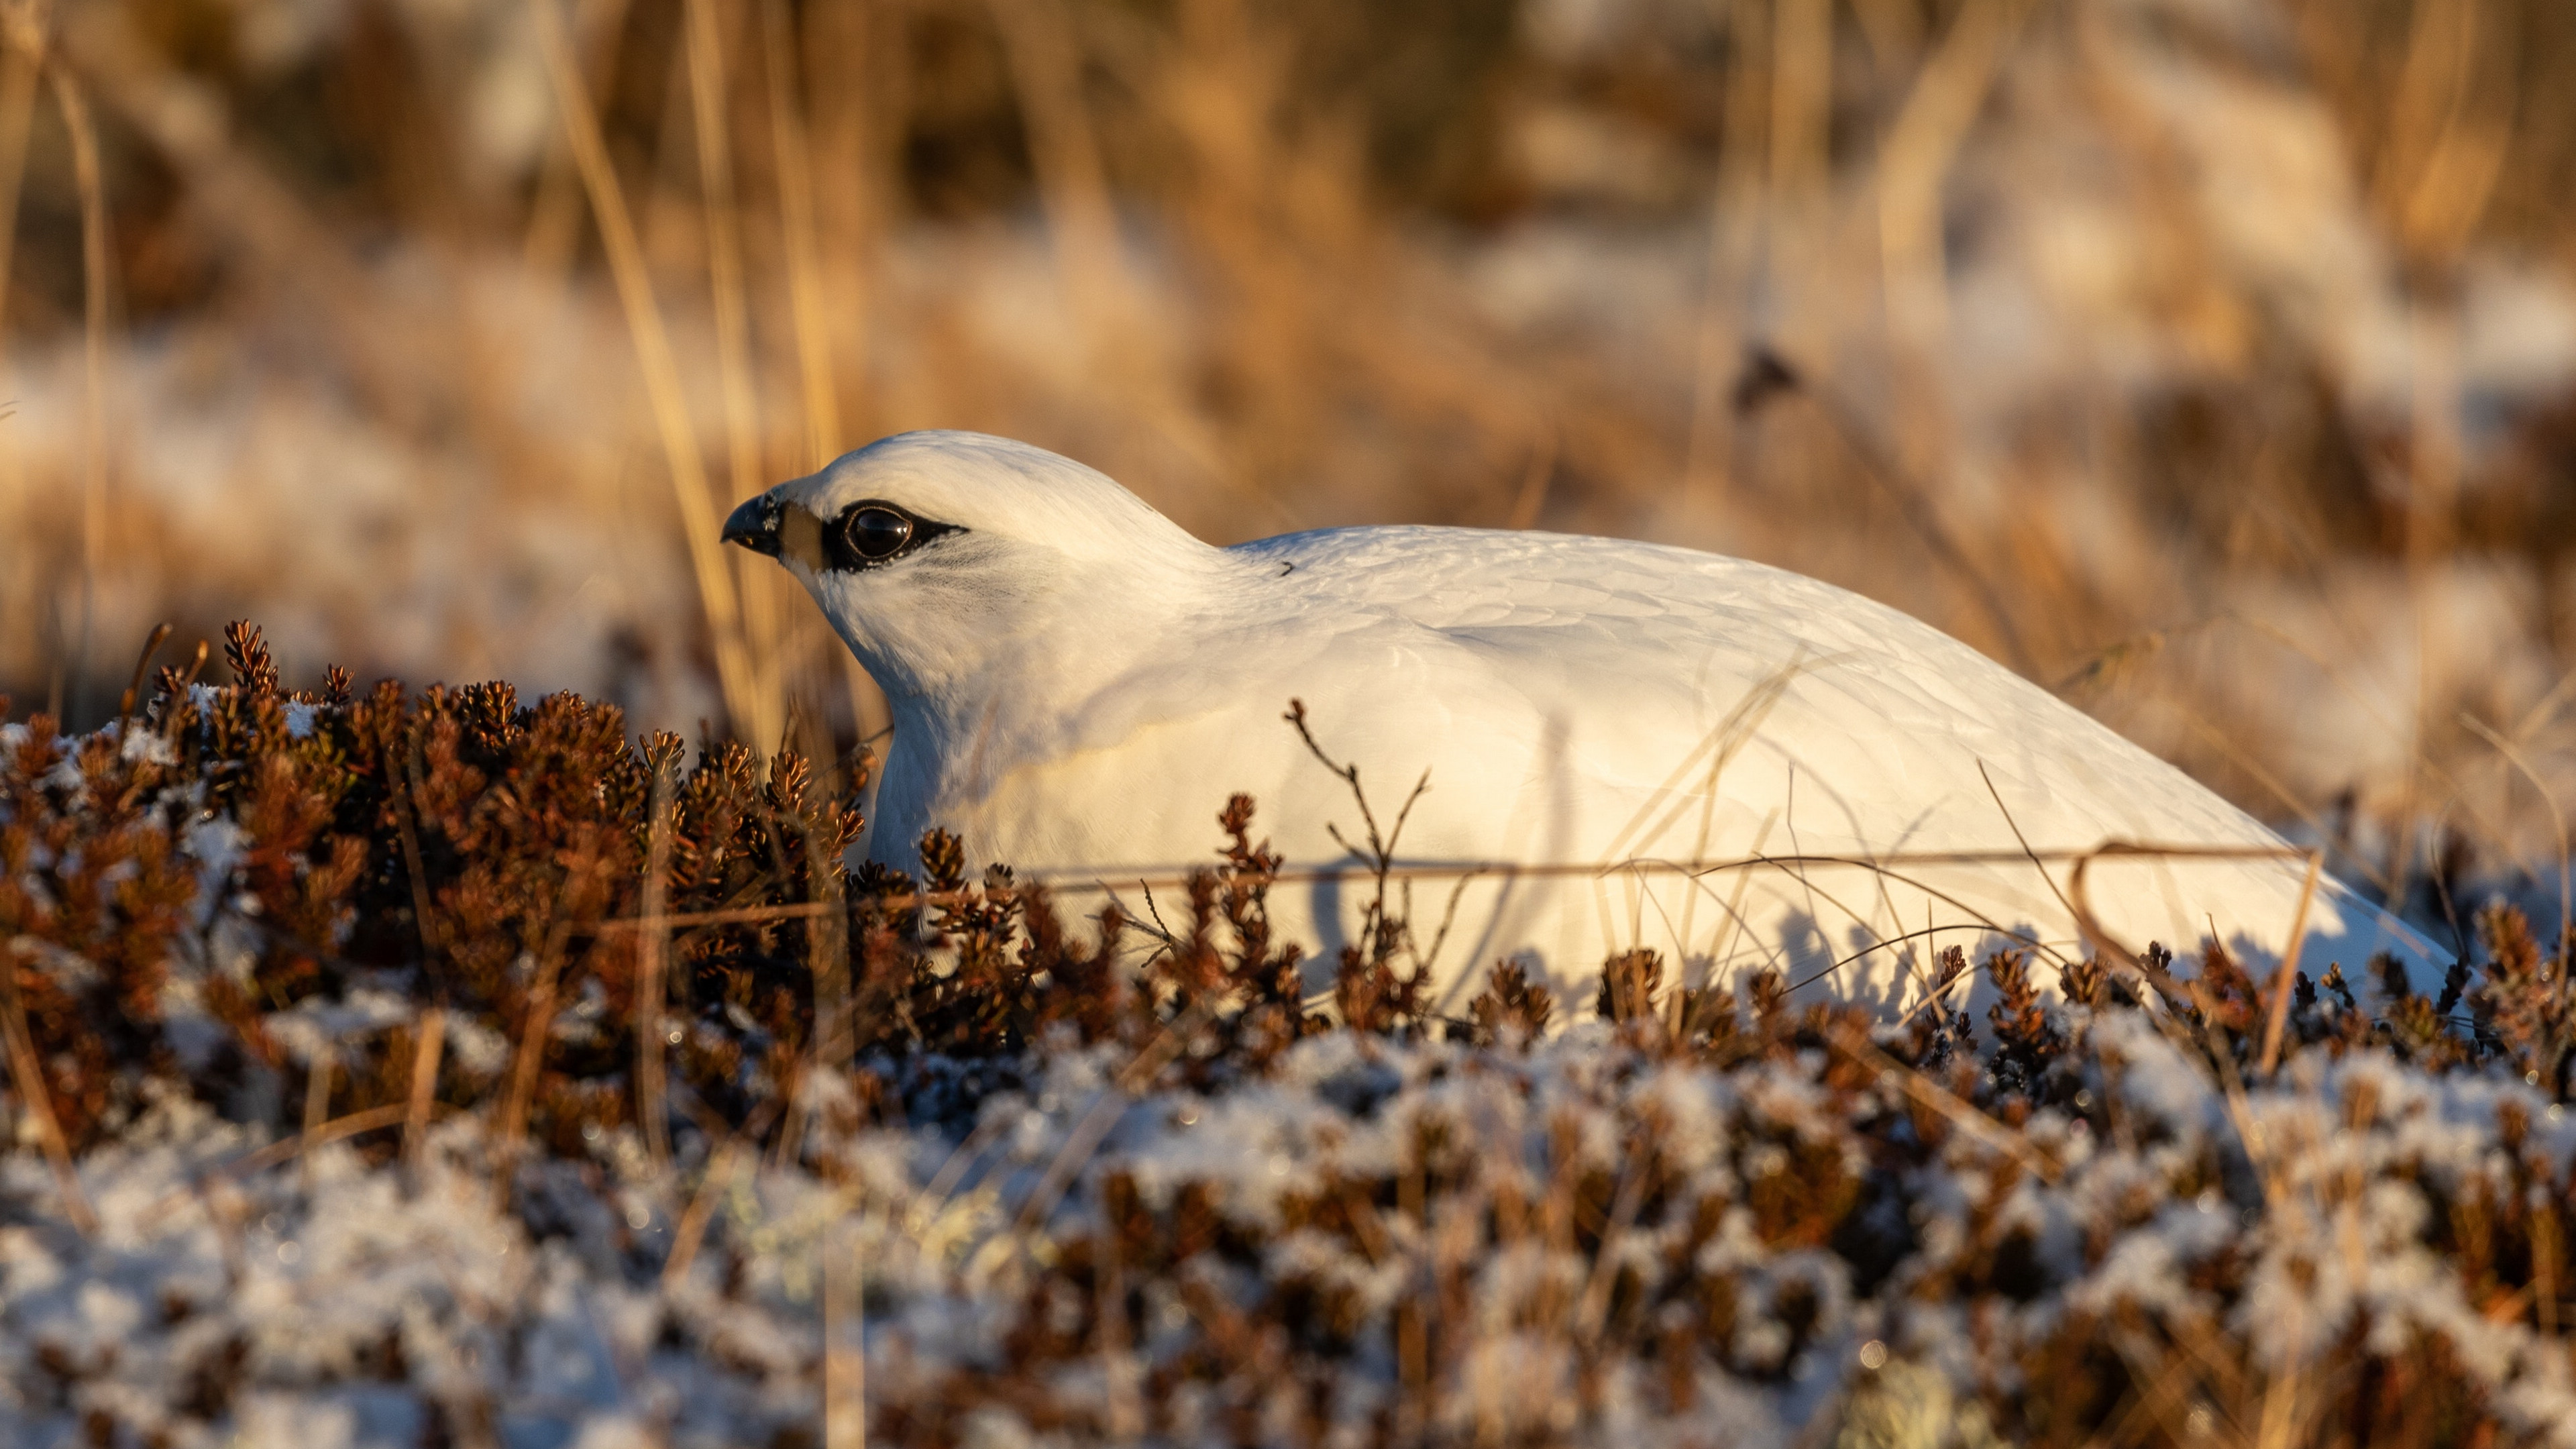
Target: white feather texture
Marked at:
1077, 685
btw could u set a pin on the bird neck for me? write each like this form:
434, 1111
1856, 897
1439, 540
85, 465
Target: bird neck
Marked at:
1015, 664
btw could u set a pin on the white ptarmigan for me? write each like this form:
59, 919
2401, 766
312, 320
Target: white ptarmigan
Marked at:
1077, 684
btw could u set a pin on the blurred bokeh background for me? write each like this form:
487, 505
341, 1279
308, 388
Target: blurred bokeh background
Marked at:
2212, 362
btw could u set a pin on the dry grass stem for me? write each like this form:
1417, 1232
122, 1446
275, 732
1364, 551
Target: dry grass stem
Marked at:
431, 1044
151, 646
2557, 817
95, 278
652, 992
338, 1128
669, 399
527, 1060
284, 1151
819, 388
845, 1357
1855, 1043
1891, 863
2289, 969
22, 58
828, 959
692, 1227
317, 1105
27, 1073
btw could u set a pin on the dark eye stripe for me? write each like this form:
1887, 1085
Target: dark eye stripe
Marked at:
872, 532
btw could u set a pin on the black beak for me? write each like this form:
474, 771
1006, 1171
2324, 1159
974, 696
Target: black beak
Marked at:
755, 525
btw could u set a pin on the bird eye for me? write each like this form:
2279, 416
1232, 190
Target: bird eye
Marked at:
877, 533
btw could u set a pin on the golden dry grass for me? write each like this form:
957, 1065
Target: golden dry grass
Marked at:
2209, 360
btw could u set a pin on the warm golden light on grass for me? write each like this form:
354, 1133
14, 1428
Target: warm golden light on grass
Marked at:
439, 339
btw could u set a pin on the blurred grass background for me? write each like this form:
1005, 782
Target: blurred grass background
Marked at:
2212, 362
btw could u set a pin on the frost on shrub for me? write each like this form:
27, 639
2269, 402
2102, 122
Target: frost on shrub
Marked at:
346, 1111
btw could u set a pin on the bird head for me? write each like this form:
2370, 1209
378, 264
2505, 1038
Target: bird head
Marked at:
934, 552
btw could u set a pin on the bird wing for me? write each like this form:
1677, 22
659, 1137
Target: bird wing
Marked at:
1711, 709
1663, 652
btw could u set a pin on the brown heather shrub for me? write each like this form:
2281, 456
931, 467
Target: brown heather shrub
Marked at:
468, 849
2080, 1216
468, 844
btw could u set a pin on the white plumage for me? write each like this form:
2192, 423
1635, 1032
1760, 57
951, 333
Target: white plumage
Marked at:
1077, 684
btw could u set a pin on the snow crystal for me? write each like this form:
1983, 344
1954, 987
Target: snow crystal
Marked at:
476, 1049
147, 747
314, 1028
215, 843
